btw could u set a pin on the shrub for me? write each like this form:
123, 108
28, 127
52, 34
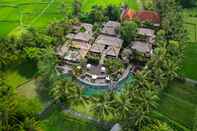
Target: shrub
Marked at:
96, 15
128, 32
112, 12
114, 67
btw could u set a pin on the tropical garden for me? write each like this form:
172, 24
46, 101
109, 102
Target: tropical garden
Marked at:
34, 96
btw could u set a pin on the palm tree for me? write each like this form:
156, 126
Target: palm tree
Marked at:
140, 100
8, 120
67, 92
103, 105
123, 105
149, 100
30, 124
157, 126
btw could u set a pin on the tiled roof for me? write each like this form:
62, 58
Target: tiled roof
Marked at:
150, 16
127, 14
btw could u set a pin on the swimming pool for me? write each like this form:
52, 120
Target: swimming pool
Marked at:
90, 90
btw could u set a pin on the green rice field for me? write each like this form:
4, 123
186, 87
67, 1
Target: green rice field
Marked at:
190, 62
178, 105
190, 19
39, 13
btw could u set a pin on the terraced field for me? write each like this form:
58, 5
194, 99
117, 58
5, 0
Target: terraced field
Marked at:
178, 105
39, 13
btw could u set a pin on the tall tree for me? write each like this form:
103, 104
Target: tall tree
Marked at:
68, 92
128, 32
158, 126
96, 15
76, 7
112, 12
188, 3
172, 19
103, 105
14, 109
30, 124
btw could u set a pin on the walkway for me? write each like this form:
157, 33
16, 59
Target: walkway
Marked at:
87, 117
101, 62
191, 81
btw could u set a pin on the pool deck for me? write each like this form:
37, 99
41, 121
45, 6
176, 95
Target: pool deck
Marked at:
111, 85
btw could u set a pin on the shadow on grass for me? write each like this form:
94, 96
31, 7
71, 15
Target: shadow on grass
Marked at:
26, 68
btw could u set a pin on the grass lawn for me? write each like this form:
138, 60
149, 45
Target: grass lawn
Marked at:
178, 103
190, 61
17, 74
87, 4
59, 121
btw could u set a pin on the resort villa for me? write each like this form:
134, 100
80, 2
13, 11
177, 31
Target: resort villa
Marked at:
82, 44
145, 41
78, 44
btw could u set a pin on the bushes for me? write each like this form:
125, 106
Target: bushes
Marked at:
99, 15
93, 58
128, 32
188, 3
96, 15
112, 12
114, 67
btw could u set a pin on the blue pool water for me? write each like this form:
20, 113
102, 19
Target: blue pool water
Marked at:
89, 91
92, 90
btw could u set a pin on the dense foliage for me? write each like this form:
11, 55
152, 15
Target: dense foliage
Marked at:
172, 20
128, 32
188, 3
132, 107
17, 112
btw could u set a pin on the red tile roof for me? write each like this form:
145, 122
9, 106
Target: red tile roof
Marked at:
127, 14
150, 16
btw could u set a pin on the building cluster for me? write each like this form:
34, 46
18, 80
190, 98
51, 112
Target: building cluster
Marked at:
108, 43
81, 41
144, 42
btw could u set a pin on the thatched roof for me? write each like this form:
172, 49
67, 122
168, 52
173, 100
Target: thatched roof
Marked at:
61, 50
110, 28
96, 48
109, 40
85, 36
141, 47
107, 44
86, 26
112, 51
80, 45
146, 32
